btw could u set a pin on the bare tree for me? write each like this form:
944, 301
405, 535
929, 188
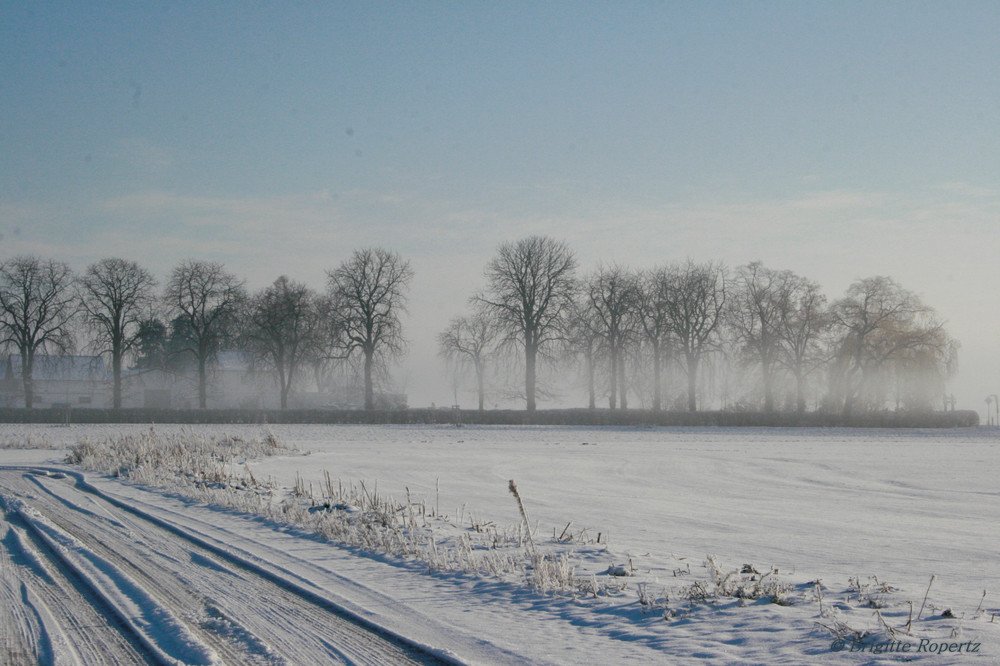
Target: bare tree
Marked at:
368, 292
530, 287
654, 319
613, 298
694, 298
881, 326
285, 330
757, 303
116, 294
37, 305
470, 341
804, 326
204, 300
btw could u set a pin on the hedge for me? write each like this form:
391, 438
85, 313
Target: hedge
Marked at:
561, 417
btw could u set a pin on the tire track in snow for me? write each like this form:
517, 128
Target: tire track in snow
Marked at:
18, 631
155, 623
244, 616
61, 624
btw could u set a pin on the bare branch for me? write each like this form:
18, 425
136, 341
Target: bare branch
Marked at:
368, 292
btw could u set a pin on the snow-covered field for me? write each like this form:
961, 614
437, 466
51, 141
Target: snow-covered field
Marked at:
827, 535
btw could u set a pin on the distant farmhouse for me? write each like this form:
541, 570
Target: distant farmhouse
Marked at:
59, 381
152, 388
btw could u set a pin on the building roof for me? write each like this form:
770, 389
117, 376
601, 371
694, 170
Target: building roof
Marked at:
62, 368
232, 360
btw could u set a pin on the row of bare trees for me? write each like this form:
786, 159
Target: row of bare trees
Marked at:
630, 332
774, 326
203, 309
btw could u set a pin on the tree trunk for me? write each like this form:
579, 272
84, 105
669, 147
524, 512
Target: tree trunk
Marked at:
480, 385
848, 405
369, 389
613, 394
768, 387
657, 393
692, 372
202, 382
116, 372
800, 393
621, 383
285, 385
27, 362
592, 398
530, 355
852, 390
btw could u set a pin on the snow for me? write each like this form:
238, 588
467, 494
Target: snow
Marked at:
869, 515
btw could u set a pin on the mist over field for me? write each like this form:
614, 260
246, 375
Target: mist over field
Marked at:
677, 337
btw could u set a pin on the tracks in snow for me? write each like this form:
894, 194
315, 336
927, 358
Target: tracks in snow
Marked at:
83, 581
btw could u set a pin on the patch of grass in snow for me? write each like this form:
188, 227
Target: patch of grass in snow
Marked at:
871, 612
29, 441
210, 469
748, 583
867, 612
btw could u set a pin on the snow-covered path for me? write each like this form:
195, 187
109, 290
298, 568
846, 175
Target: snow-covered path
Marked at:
85, 582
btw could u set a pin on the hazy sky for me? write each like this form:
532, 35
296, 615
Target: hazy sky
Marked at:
840, 140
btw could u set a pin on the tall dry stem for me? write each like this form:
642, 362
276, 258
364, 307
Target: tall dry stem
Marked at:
524, 514
925, 597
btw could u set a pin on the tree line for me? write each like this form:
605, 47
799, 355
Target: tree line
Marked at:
669, 335
286, 328
636, 332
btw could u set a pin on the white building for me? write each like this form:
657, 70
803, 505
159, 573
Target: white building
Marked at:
58, 381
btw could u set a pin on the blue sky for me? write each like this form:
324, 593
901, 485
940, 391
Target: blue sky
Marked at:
839, 140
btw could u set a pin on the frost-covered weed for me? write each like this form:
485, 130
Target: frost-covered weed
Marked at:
210, 469
871, 593
650, 602
551, 574
745, 583
184, 458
